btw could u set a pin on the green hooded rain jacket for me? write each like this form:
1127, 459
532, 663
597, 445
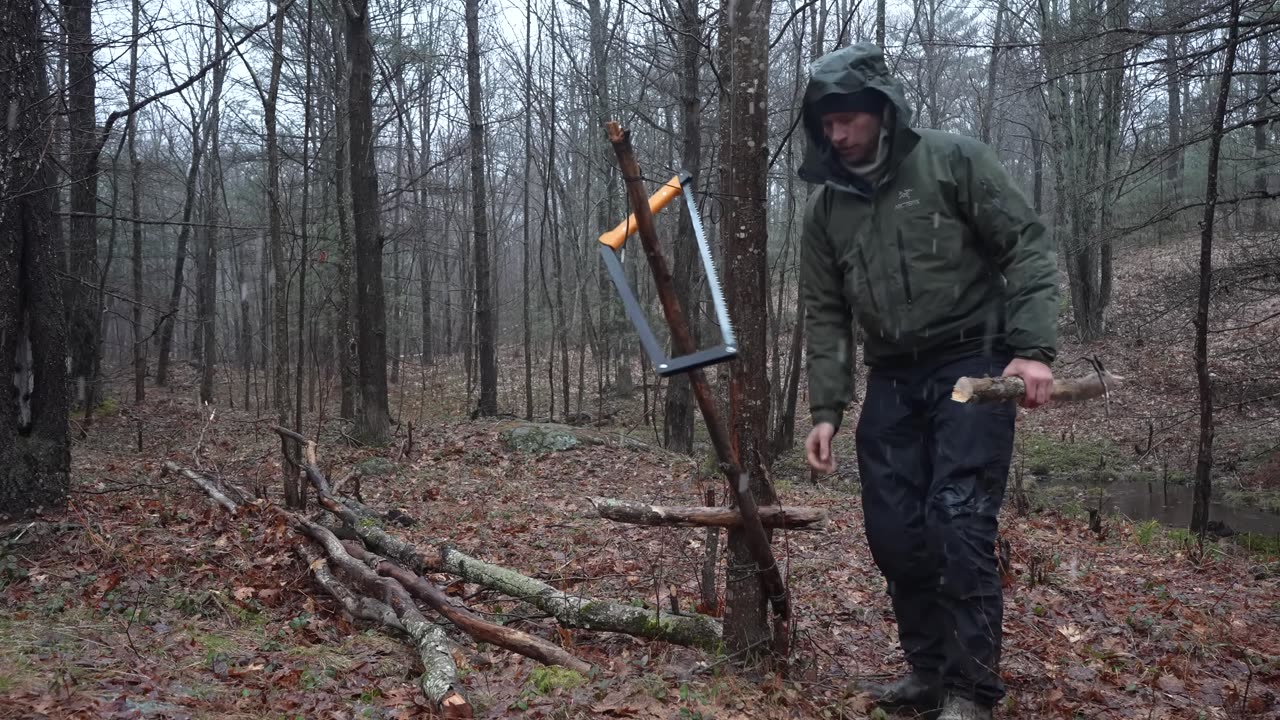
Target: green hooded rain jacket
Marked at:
943, 257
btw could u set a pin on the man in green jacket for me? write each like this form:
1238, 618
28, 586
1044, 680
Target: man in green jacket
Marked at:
921, 237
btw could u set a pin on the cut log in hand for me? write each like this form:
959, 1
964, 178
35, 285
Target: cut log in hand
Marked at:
771, 516
1001, 389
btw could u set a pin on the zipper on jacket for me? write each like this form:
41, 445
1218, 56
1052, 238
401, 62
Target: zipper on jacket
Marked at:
866, 274
902, 261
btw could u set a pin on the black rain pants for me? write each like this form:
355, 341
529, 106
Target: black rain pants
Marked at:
933, 475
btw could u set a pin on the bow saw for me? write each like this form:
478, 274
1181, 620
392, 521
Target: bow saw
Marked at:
611, 249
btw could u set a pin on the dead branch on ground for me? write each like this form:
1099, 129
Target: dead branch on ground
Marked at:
772, 516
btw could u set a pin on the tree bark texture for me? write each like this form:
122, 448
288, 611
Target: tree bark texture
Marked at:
135, 210
82, 173
374, 420
485, 331
348, 362
35, 449
744, 236
207, 264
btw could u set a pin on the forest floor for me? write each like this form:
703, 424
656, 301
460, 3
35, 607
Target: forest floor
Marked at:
144, 600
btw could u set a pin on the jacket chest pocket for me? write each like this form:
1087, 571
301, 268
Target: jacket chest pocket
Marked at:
931, 241
857, 277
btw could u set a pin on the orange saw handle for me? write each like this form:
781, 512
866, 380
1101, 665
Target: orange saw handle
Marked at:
660, 199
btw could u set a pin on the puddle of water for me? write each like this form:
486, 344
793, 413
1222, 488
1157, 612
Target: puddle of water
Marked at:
1170, 505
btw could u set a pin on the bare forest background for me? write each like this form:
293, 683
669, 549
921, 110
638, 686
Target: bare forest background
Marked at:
360, 219
310, 202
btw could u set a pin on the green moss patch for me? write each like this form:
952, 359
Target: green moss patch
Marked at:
1046, 456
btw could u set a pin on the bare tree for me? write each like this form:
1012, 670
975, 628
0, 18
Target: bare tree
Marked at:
1204, 456
374, 418
487, 354
348, 363
207, 263
135, 209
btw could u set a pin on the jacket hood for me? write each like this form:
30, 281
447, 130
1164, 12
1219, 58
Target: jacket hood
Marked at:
848, 70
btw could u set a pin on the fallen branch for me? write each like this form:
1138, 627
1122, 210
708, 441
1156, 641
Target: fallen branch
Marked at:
570, 610
482, 630
359, 606
772, 516
206, 484
1000, 389
439, 681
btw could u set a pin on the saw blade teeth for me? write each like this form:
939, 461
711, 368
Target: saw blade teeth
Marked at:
709, 266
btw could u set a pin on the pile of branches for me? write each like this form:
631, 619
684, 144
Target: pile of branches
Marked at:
382, 579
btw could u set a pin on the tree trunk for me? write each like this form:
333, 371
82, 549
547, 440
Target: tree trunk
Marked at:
527, 298
987, 123
784, 433
374, 422
677, 425
1173, 85
206, 306
35, 449
135, 209
484, 310
1204, 457
293, 489
198, 142
1117, 17
1262, 167
300, 367
348, 371
82, 174
744, 236
880, 13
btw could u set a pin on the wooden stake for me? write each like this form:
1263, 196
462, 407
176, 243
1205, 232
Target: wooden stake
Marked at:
753, 531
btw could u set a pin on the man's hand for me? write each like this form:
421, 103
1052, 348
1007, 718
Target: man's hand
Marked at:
818, 448
1037, 377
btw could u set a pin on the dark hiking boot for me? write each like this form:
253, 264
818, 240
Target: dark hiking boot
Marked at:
911, 691
961, 708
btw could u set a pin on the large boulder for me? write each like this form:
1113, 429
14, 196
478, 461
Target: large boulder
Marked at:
544, 437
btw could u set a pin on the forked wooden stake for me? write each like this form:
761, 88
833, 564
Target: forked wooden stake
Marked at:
757, 540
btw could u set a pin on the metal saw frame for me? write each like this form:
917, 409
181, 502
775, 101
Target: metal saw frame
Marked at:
611, 246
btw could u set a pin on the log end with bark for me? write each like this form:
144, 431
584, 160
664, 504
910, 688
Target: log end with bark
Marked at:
1001, 389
